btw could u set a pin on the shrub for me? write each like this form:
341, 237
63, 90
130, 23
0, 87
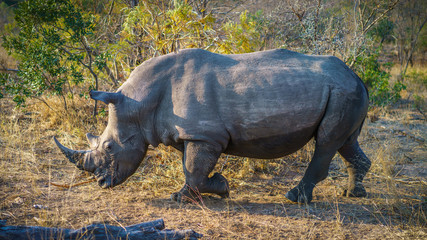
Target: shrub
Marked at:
377, 79
52, 48
150, 30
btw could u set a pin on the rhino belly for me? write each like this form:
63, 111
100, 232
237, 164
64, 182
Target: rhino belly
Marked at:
279, 144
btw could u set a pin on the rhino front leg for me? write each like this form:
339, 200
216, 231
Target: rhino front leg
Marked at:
316, 171
199, 160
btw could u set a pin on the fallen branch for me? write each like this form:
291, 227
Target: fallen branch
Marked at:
9, 70
72, 185
147, 230
5, 69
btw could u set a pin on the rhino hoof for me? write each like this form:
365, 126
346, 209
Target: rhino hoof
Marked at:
358, 191
297, 196
221, 183
225, 195
177, 197
174, 196
181, 198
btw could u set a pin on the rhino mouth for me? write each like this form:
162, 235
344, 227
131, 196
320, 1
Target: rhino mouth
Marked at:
108, 181
104, 179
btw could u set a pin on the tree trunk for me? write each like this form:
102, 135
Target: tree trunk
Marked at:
412, 48
146, 230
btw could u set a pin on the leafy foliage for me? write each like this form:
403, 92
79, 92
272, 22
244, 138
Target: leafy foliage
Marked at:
377, 80
245, 36
51, 48
417, 77
65, 46
383, 31
150, 30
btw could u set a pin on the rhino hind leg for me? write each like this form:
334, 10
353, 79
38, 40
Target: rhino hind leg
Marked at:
199, 160
357, 166
336, 132
316, 171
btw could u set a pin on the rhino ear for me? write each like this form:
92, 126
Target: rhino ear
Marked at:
106, 97
92, 139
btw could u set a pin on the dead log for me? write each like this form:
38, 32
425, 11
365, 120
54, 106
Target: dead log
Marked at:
146, 230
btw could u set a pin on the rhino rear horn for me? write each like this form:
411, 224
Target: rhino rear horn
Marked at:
92, 139
106, 97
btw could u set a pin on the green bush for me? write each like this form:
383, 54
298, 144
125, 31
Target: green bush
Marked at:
63, 48
417, 77
149, 30
369, 69
52, 49
59, 45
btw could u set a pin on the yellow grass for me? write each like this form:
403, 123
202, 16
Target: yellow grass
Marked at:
394, 137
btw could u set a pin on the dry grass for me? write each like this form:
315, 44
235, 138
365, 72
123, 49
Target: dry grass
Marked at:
394, 138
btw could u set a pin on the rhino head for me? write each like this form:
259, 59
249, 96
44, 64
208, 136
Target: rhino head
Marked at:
117, 153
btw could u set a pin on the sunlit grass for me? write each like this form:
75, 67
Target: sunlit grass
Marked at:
29, 162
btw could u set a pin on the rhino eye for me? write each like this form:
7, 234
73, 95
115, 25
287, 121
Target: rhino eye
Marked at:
108, 146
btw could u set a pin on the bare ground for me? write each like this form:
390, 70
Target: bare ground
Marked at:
394, 138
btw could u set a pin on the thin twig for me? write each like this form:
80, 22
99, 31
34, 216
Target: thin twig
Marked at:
72, 185
43, 101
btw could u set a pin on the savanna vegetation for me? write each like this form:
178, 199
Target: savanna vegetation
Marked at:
54, 51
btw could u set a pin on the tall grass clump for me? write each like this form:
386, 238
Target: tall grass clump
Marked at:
409, 210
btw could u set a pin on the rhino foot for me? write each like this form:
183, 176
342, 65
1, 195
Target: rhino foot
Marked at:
300, 195
220, 185
216, 184
178, 197
187, 195
356, 191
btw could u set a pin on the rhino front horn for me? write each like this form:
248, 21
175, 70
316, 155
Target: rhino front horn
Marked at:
76, 157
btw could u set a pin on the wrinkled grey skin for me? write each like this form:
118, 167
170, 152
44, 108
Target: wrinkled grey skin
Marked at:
259, 105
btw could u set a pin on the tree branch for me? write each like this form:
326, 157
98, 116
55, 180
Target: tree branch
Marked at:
142, 231
391, 7
43, 101
413, 45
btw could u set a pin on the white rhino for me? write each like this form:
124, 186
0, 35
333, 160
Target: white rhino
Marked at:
260, 105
